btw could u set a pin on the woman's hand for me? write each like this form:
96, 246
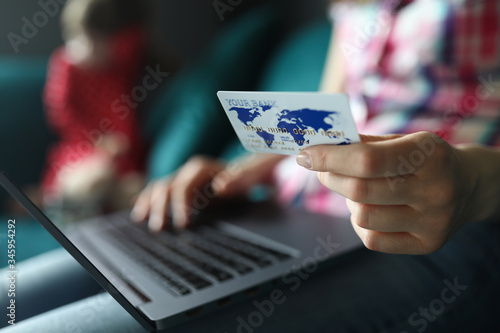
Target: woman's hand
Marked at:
195, 185
407, 194
173, 196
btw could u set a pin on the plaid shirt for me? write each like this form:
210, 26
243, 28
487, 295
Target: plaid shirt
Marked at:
422, 65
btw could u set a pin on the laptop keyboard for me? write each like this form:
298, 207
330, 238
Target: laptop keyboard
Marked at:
194, 259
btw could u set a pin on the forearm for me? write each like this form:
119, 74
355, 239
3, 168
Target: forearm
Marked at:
483, 165
333, 72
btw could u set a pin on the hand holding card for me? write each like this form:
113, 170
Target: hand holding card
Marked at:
286, 123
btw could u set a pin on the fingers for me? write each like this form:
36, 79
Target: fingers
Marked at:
402, 190
140, 209
238, 178
398, 242
195, 184
376, 157
159, 205
152, 205
374, 138
179, 196
191, 189
231, 181
373, 191
389, 242
400, 218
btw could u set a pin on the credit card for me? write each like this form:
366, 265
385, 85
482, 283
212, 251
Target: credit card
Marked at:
288, 122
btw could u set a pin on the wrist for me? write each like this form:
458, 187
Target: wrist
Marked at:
480, 178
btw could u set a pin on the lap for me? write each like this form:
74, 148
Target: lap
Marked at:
98, 314
45, 282
453, 289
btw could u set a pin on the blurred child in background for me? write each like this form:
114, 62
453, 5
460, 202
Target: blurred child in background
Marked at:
98, 163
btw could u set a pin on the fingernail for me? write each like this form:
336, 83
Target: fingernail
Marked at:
303, 159
179, 219
218, 185
180, 224
154, 224
136, 215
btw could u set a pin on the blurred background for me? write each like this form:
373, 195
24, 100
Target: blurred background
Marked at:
219, 45
187, 26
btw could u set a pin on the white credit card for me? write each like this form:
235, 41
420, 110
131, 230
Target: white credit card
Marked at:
287, 122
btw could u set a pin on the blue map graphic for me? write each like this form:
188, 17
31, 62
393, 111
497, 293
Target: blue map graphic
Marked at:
300, 120
247, 115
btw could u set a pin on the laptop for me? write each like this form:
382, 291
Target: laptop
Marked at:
227, 256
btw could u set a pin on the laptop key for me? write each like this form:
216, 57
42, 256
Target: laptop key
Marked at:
156, 251
237, 266
192, 278
275, 253
169, 282
245, 253
219, 274
164, 278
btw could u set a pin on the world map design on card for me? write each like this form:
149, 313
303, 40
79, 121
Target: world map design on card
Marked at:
287, 122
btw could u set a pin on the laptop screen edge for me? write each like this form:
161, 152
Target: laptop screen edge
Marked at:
48, 225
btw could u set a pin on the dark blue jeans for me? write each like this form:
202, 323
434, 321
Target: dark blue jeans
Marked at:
456, 289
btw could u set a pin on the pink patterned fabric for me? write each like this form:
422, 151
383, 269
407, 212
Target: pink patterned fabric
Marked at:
421, 65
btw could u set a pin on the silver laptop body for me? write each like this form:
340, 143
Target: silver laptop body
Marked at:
171, 278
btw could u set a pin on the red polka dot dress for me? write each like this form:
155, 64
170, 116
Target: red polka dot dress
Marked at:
85, 104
